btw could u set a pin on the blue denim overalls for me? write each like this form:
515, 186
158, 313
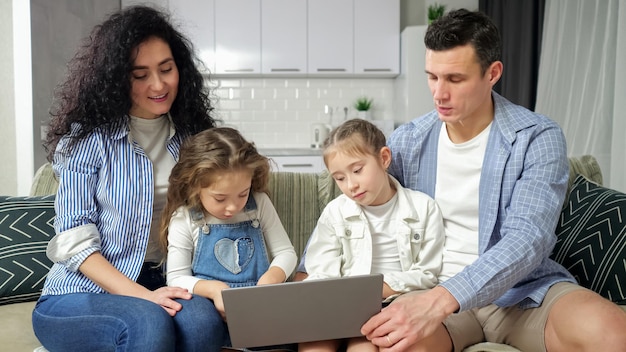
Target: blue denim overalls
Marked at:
232, 253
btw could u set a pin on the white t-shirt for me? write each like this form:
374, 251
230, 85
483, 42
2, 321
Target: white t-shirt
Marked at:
385, 255
152, 135
456, 192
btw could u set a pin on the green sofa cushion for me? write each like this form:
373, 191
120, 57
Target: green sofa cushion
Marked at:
26, 226
294, 196
591, 240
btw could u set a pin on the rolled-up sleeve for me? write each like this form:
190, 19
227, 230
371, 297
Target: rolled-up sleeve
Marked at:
77, 235
73, 246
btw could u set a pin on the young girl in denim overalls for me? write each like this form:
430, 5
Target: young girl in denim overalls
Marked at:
223, 230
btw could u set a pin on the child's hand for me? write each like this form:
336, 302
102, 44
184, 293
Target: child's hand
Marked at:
274, 275
212, 289
218, 302
388, 291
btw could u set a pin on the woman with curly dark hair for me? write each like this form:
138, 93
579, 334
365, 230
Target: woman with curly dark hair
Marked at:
133, 94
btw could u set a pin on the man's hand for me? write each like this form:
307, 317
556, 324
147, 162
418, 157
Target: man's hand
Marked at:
409, 319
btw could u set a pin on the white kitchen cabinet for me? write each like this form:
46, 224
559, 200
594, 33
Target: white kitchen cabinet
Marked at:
316, 38
284, 37
196, 19
377, 37
238, 37
330, 37
297, 163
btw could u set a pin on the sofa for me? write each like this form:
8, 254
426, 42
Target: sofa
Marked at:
591, 239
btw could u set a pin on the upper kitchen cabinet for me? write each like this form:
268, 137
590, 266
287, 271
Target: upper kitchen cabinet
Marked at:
377, 37
354, 37
196, 19
331, 37
238, 37
316, 38
284, 37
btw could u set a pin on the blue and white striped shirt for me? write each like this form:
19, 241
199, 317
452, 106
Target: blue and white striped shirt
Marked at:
522, 187
104, 203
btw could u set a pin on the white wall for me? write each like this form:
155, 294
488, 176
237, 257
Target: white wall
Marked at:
8, 160
15, 98
26, 85
58, 27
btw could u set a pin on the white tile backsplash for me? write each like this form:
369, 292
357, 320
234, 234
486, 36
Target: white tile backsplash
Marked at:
278, 112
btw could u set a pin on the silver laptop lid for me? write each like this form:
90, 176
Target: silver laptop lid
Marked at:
303, 311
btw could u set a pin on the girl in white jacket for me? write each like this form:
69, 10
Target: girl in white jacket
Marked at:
375, 226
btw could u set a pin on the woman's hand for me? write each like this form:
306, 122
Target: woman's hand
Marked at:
165, 297
105, 275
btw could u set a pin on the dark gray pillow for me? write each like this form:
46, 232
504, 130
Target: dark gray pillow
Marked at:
592, 238
26, 226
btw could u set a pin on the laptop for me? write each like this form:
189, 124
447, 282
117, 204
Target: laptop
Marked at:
301, 311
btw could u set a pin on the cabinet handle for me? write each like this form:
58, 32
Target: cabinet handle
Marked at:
376, 70
285, 70
297, 165
240, 70
331, 70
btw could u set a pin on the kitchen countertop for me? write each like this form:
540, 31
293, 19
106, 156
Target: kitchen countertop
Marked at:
289, 151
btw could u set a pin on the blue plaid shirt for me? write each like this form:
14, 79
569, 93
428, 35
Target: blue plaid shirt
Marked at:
104, 203
522, 189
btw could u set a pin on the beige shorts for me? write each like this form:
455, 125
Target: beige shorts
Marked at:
521, 328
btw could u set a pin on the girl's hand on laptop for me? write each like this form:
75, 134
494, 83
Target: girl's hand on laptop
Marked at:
219, 305
212, 289
273, 275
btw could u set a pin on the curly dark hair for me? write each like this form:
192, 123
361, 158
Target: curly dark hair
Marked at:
96, 93
461, 27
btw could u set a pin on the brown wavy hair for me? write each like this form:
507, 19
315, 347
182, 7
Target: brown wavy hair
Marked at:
202, 158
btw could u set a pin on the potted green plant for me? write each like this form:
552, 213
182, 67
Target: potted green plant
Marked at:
435, 11
363, 105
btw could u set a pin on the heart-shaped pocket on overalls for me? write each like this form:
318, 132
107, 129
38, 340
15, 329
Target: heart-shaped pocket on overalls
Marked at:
234, 255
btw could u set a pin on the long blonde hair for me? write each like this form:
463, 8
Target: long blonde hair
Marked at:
202, 157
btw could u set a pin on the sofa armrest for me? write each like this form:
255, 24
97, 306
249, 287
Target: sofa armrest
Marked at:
44, 181
585, 165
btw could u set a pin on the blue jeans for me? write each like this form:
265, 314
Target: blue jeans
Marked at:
105, 322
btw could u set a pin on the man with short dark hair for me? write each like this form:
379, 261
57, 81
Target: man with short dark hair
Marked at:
499, 173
